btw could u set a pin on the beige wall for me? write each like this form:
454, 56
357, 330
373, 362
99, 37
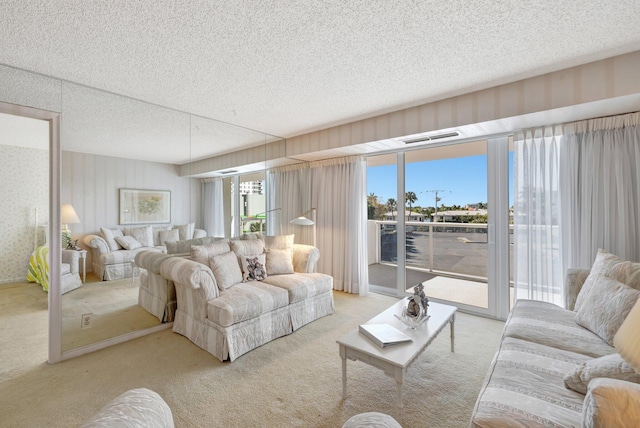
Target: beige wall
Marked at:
91, 184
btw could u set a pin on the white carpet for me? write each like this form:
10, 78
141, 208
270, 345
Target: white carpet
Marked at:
293, 381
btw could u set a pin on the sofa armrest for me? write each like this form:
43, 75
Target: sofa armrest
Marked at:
199, 233
611, 403
72, 258
137, 407
305, 258
95, 241
572, 284
187, 273
151, 260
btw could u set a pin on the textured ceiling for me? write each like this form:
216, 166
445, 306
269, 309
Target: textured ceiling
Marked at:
290, 67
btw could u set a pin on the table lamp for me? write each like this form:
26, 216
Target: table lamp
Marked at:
67, 216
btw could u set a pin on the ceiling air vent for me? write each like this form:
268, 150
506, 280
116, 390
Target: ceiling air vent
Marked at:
229, 171
431, 137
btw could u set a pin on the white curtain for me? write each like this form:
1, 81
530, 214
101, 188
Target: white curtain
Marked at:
289, 189
577, 189
213, 207
538, 265
337, 189
599, 161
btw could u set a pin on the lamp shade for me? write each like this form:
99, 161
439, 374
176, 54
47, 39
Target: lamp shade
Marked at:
302, 221
627, 339
68, 215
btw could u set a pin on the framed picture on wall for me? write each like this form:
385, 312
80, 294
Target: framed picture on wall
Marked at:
145, 206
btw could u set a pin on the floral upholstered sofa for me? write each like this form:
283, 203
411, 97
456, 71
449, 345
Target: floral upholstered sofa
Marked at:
235, 295
114, 249
557, 367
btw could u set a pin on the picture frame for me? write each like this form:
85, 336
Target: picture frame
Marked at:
143, 206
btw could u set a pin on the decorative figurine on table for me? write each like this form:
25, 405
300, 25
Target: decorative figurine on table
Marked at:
416, 311
73, 245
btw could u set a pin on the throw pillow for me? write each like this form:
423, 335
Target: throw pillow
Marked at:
612, 266
604, 309
144, 235
110, 236
279, 242
611, 366
226, 270
185, 231
253, 267
156, 235
128, 242
249, 247
184, 247
202, 253
251, 235
279, 262
168, 235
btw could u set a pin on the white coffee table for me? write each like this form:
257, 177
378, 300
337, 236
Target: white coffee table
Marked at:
394, 360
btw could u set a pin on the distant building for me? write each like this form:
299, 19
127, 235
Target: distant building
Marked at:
408, 216
251, 187
454, 215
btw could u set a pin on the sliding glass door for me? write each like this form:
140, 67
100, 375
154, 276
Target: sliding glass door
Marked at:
449, 226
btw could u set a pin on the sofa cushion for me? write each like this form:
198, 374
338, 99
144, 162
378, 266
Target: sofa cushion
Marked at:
226, 269
253, 267
551, 325
279, 242
526, 387
279, 262
124, 256
185, 231
247, 247
144, 235
167, 235
611, 266
301, 285
201, 253
156, 234
110, 236
128, 242
606, 305
184, 247
610, 366
245, 301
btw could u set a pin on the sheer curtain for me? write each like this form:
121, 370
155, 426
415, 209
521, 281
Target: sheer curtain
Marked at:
213, 206
600, 159
337, 189
538, 266
577, 189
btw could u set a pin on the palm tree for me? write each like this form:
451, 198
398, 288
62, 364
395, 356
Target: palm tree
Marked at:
410, 197
391, 204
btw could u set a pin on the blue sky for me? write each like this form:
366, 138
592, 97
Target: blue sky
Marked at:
461, 180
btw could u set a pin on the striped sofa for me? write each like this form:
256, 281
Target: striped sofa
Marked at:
541, 373
228, 320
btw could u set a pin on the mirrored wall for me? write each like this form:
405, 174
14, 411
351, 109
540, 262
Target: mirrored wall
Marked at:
109, 143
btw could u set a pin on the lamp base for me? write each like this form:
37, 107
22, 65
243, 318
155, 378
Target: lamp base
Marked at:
66, 238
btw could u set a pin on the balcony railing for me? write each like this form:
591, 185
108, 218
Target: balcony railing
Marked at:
455, 249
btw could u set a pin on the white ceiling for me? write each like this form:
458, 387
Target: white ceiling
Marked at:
287, 68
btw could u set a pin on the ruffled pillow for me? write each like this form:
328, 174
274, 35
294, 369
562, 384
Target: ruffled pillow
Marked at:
610, 366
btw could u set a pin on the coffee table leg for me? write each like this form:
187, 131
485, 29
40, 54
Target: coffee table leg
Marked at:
343, 355
451, 324
399, 376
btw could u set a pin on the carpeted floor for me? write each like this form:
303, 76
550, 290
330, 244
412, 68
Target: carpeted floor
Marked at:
294, 381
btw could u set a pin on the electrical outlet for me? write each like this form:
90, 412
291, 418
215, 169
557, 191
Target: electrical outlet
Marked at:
87, 320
